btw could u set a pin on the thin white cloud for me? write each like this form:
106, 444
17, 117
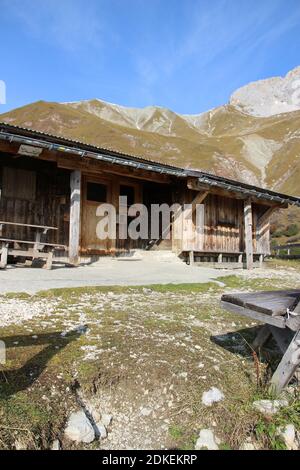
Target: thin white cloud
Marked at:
214, 30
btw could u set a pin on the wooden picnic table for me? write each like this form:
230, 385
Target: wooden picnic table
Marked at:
36, 246
280, 313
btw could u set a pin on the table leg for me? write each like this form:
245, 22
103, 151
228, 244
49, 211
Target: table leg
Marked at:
261, 338
48, 264
287, 367
4, 255
37, 240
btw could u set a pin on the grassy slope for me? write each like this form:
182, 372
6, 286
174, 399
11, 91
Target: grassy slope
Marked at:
216, 145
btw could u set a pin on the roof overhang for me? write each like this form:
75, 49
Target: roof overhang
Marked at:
198, 179
241, 190
51, 143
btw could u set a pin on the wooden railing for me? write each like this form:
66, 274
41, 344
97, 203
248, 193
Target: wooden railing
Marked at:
288, 249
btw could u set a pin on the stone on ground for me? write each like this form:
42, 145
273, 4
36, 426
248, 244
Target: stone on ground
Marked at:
56, 445
212, 396
288, 435
269, 407
106, 420
207, 440
101, 430
79, 428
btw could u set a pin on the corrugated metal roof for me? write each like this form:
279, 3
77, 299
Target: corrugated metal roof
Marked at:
30, 136
83, 144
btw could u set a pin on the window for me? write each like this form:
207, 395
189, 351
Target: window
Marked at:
129, 192
96, 192
19, 184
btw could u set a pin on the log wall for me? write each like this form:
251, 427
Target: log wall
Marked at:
50, 205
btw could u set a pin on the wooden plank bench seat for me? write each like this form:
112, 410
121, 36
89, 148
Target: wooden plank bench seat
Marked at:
40, 227
32, 242
270, 302
280, 312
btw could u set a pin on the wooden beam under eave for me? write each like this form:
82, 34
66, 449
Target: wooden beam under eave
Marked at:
267, 214
248, 223
75, 207
199, 199
195, 185
9, 147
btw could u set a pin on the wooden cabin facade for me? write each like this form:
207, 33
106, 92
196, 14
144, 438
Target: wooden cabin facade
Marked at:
47, 180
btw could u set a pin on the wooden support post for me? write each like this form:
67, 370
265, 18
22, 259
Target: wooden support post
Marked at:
191, 257
287, 367
261, 260
75, 203
283, 338
220, 258
188, 234
4, 255
240, 260
248, 233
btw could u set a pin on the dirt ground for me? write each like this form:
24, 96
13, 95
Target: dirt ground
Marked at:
144, 355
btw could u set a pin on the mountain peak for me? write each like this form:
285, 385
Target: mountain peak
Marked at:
248, 139
270, 96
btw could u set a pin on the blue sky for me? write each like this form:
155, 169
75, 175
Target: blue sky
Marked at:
186, 55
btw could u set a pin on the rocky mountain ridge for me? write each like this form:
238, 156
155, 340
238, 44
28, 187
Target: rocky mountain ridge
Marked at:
255, 138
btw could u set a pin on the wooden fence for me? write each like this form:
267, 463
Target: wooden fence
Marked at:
288, 251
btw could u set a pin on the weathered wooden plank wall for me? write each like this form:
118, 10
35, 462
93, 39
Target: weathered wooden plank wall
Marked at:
223, 229
49, 207
223, 224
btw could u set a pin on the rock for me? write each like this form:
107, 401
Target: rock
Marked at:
183, 375
106, 420
146, 411
212, 396
101, 430
268, 97
207, 440
56, 445
248, 446
288, 435
93, 412
20, 445
79, 429
269, 407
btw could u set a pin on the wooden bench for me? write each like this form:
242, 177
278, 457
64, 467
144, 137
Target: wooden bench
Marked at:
219, 256
35, 248
280, 312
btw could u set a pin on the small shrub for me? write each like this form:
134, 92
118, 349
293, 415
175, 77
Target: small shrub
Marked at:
292, 230
277, 234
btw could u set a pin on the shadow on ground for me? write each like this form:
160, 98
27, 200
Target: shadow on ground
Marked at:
240, 343
16, 380
237, 342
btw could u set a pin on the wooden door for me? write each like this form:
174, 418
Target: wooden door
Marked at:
95, 192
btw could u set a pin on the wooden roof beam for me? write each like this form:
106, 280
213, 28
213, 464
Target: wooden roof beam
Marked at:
196, 185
